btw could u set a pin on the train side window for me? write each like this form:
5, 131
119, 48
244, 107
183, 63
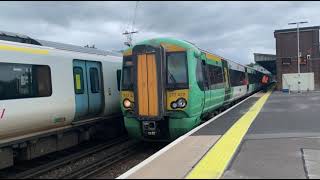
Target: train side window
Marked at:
199, 75
43, 78
237, 78
94, 80
118, 78
78, 80
216, 77
127, 73
205, 71
252, 78
211, 76
19, 81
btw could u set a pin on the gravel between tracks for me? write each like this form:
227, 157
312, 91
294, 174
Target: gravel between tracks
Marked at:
124, 165
78, 164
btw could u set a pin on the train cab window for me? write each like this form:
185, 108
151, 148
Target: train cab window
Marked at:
24, 81
78, 80
177, 75
127, 79
94, 80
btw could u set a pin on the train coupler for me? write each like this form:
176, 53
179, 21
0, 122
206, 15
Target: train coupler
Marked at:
149, 128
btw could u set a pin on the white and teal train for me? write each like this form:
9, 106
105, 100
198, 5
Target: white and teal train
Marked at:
50, 93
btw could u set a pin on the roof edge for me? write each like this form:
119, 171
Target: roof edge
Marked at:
295, 29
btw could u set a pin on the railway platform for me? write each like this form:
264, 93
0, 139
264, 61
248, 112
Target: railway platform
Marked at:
267, 135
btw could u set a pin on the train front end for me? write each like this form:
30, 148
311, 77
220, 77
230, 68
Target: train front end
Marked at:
155, 90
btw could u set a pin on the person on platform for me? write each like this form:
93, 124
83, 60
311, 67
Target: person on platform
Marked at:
265, 83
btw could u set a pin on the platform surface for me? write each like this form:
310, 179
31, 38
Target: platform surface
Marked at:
282, 142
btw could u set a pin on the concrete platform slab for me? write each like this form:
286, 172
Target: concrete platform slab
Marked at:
287, 125
271, 158
289, 113
176, 162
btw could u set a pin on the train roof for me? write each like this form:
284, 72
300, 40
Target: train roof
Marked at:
15, 37
20, 38
183, 43
74, 48
229, 60
188, 45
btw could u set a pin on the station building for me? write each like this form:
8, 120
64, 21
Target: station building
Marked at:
286, 57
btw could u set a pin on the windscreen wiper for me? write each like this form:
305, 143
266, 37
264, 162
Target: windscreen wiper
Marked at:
173, 79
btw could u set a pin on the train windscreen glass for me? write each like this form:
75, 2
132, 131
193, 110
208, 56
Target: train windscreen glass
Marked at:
177, 69
127, 79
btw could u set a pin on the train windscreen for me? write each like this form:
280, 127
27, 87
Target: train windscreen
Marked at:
177, 69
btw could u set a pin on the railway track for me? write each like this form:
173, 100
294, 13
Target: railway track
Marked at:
98, 168
81, 164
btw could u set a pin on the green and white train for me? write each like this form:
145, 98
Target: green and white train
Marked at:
169, 86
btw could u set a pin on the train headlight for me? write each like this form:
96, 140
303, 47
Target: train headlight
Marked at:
174, 105
182, 103
126, 103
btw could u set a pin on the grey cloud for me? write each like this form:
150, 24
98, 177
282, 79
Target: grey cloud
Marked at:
234, 30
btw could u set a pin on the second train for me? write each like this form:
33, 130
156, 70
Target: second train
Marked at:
169, 86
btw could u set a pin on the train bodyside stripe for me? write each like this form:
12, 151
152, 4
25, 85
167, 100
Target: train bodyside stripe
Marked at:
24, 49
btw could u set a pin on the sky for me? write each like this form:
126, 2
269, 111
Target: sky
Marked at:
233, 30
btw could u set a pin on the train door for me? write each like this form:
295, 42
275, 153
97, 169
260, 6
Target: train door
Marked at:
94, 79
226, 80
147, 80
88, 88
206, 79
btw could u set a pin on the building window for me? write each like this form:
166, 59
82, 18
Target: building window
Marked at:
286, 60
19, 81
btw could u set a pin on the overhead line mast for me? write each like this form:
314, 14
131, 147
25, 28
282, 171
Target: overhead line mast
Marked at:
129, 34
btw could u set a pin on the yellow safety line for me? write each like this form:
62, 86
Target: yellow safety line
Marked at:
23, 49
214, 163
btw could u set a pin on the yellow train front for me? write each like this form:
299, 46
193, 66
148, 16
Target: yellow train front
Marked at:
168, 86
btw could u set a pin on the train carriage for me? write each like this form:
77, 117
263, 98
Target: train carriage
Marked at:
169, 86
51, 95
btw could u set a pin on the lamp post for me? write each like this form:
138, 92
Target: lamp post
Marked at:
298, 39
